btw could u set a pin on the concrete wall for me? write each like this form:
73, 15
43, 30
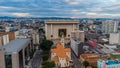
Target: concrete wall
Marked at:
35, 38
63, 62
2, 59
1, 41
15, 60
16, 34
5, 39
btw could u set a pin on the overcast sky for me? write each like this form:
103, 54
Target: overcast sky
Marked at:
60, 8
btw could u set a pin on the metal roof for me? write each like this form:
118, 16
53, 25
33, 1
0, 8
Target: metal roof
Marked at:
16, 45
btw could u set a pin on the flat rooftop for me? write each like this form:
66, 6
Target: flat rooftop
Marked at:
16, 45
62, 21
110, 62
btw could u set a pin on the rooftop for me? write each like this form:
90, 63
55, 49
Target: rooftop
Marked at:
110, 62
61, 52
15, 45
90, 57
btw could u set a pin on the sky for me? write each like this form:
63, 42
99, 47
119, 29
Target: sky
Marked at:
61, 8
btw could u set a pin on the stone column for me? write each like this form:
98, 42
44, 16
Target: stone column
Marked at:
73, 27
46, 30
51, 29
51, 32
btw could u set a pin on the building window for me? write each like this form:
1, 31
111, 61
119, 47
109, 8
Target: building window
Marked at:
68, 35
8, 61
62, 32
51, 36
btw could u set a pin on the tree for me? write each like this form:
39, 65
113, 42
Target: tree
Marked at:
46, 45
47, 64
86, 63
94, 66
45, 57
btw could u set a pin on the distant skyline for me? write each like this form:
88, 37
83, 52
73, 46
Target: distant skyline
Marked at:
61, 8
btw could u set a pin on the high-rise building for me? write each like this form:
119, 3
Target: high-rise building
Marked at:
110, 26
76, 46
80, 35
114, 38
16, 54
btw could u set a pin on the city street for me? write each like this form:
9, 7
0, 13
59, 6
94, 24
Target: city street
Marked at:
37, 58
76, 62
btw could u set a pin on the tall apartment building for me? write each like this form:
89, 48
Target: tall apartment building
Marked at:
77, 46
114, 38
110, 26
6, 37
80, 35
16, 54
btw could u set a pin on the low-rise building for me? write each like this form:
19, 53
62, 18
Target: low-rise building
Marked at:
91, 58
61, 55
108, 63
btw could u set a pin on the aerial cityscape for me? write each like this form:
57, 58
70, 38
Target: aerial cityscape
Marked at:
59, 34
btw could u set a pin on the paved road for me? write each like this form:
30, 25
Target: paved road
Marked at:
36, 59
76, 62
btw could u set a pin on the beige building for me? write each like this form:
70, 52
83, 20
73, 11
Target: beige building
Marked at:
114, 38
14, 55
80, 35
35, 36
54, 29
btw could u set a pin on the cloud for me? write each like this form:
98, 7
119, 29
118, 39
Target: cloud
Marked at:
101, 15
60, 8
6, 7
21, 14
72, 2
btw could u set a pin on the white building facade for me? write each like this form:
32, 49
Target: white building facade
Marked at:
114, 38
110, 26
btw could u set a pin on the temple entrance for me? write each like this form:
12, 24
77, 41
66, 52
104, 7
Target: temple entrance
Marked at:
62, 32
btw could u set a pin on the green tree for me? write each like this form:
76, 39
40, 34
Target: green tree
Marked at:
94, 66
46, 45
45, 57
86, 63
47, 64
